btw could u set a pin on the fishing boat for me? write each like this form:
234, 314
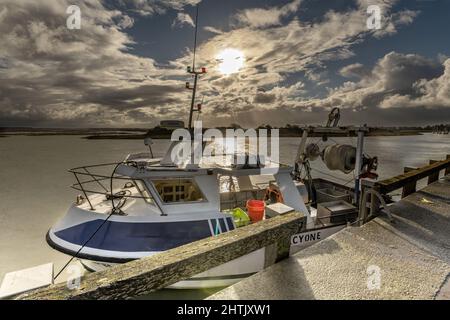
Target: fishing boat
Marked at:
147, 205
144, 205
161, 206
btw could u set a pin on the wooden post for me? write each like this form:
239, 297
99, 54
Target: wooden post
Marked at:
283, 248
149, 274
374, 203
447, 170
410, 187
270, 255
434, 176
276, 252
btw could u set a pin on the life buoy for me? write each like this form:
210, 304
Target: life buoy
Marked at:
274, 195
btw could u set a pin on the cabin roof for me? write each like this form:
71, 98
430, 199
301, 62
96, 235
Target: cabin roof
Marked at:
221, 164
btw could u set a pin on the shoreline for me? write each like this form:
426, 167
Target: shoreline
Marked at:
166, 133
168, 136
126, 136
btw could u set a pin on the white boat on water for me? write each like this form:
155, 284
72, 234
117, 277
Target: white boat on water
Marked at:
159, 205
162, 206
144, 205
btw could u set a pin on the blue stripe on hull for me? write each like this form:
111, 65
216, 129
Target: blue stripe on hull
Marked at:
136, 237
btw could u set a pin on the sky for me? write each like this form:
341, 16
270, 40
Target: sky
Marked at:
269, 62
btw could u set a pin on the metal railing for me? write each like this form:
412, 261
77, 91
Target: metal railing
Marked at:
85, 186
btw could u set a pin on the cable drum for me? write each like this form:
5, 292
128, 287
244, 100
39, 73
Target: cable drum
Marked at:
340, 157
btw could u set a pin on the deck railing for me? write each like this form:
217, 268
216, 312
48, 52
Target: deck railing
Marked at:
103, 182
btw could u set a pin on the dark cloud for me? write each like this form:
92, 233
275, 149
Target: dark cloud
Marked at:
134, 97
183, 19
262, 97
151, 7
398, 72
397, 81
50, 73
278, 49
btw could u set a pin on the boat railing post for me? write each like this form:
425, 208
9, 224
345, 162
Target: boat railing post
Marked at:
82, 189
96, 180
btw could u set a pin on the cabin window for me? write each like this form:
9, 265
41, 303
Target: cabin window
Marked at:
178, 190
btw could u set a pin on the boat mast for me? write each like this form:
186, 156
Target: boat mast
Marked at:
195, 73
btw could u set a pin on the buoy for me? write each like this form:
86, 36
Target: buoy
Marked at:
255, 209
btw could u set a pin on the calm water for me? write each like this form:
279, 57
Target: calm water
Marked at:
34, 184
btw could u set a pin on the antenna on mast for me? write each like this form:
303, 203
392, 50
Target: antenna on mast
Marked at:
195, 36
195, 74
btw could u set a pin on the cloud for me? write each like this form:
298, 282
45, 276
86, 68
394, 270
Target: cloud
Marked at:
429, 93
264, 98
274, 53
213, 30
279, 95
183, 19
52, 75
390, 22
355, 70
396, 81
126, 22
151, 7
260, 17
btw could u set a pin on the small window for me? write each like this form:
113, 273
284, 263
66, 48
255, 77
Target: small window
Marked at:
178, 190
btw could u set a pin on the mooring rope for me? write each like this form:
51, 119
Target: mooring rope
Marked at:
113, 211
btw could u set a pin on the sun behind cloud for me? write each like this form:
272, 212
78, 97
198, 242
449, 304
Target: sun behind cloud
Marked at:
231, 61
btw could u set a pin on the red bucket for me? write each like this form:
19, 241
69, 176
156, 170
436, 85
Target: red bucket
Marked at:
255, 209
